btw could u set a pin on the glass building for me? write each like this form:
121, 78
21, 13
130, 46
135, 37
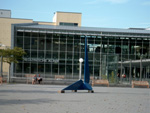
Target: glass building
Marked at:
55, 50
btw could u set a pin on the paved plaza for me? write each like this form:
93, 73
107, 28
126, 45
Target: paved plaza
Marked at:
27, 98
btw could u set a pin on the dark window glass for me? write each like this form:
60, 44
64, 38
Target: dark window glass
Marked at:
41, 43
61, 69
26, 67
35, 35
55, 69
48, 44
27, 34
62, 55
27, 55
41, 54
26, 43
20, 34
19, 68
55, 55
48, 54
40, 68
33, 54
42, 35
118, 50
19, 42
34, 68
34, 43
69, 55
68, 24
47, 68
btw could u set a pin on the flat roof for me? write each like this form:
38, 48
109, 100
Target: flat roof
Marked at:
68, 12
5, 10
88, 29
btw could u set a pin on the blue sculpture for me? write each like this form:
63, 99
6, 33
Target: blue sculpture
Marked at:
82, 85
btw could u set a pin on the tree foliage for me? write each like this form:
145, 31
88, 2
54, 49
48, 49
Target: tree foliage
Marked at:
12, 55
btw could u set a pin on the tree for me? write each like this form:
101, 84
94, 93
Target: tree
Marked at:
12, 56
1, 54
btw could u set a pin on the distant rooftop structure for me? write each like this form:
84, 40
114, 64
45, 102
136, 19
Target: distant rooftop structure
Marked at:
5, 13
67, 18
148, 28
140, 28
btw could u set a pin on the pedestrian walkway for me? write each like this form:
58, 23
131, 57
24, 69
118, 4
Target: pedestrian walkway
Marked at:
27, 98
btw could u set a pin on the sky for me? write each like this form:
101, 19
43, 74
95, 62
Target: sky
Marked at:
95, 13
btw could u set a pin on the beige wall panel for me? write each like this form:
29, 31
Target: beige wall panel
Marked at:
68, 17
46, 23
5, 29
5, 33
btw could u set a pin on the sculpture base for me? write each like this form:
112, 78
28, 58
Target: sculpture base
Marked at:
79, 85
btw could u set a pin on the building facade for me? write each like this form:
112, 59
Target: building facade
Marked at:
55, 50
6, 31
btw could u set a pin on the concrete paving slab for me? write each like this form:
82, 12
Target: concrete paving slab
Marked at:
27, 98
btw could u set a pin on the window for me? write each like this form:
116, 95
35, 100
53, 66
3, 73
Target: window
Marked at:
68, 24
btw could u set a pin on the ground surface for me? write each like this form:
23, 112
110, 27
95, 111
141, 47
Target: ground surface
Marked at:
24, 98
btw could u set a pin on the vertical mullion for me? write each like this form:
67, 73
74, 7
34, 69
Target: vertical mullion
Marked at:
66, 58
135, 49
129, 44
100, 75
58, 54
23, 61
149, 49
30, 55
45, 53
52, 55
93, 58
73, 57
38, 52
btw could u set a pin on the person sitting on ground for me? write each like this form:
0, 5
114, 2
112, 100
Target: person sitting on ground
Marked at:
39, 78
34, 79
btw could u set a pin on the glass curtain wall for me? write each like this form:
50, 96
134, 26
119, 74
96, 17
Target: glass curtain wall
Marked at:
51, 52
